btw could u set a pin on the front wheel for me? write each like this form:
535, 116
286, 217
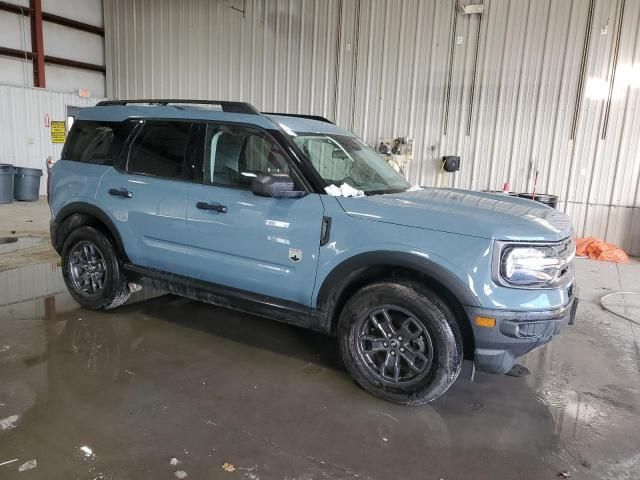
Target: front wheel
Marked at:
400, 342
92, 270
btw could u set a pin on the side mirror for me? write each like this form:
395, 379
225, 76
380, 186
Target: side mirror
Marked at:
278, 185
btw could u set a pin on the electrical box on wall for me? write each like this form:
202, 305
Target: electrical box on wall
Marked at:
397, 152
471, 8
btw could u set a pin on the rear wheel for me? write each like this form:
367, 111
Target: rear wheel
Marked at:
400, 342
92, 270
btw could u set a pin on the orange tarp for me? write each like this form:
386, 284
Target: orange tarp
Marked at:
598, 250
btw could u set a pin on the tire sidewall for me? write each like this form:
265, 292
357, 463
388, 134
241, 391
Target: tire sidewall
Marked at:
115, 276
432, 313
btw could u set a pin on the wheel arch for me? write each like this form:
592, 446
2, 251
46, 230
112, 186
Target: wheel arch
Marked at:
356, 272
80, 214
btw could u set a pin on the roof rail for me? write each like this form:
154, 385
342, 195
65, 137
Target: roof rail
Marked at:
298, 115
229, 107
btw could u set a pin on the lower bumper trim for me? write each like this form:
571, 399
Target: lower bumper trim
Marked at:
515, 334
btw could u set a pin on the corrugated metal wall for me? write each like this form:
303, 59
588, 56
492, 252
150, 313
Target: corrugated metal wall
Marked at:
503, 90
25, 140
59, 41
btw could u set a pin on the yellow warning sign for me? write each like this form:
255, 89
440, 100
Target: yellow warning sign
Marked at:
58, 131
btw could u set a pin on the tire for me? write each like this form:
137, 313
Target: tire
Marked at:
109, 290
424, 363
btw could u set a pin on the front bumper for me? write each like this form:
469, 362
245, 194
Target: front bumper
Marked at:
515, 333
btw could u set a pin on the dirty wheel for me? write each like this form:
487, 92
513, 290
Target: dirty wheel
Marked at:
92, 270
400, 342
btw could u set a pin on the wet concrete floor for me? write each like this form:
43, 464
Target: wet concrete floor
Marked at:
172, 388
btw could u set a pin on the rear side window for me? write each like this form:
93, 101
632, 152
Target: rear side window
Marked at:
164, 149
97, 142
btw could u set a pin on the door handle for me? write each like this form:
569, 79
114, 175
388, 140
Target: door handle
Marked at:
211, 206
120, 192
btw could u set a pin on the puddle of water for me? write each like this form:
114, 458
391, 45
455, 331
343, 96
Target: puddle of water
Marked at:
578, 405
12, 244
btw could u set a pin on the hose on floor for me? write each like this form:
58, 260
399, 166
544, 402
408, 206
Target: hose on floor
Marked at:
602, 299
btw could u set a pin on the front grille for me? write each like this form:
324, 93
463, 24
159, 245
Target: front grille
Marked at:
566, 251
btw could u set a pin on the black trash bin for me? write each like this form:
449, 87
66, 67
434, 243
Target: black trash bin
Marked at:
26, 187
6, 183
549, 200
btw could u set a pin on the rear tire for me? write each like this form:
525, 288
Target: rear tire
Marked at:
92, 270
400, 342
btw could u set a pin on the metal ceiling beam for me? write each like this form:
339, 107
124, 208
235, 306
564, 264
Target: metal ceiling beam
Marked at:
65, 62
68, 22
52, 18
12, 8
14, 52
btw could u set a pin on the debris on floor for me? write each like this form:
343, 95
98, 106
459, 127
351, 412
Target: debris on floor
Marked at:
28, 465
174, 461
180, 474
8, 422
518, 371
228, 467
88, 452
565, 474
8, 462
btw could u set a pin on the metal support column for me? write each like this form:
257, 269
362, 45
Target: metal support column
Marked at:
37, 44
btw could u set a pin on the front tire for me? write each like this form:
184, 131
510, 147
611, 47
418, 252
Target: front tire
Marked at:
92, 270
400, 342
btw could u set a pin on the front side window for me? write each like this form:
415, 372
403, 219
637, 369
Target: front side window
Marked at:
163, 149
234, 156
97, 142
345, 159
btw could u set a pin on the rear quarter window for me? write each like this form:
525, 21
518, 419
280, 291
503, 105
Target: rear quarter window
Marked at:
97, 142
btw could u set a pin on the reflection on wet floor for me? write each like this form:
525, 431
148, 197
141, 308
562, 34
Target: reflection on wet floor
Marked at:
169, 385
12, 244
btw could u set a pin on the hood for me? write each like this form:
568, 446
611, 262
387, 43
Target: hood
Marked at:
478, 214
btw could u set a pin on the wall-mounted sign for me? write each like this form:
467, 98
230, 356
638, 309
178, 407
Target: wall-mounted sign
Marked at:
58, 131
83, 92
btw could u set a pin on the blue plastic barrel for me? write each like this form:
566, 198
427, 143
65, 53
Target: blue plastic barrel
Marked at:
6, 183
26, 185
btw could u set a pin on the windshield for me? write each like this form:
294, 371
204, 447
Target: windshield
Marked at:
344, 159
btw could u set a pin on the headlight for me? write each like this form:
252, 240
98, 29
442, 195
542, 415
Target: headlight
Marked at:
534, 266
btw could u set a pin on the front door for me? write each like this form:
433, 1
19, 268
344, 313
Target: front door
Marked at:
266, 246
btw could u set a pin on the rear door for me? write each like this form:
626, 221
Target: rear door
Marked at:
266, 246
148, 199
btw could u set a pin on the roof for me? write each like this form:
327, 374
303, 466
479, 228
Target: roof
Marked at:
119, 113
113, 112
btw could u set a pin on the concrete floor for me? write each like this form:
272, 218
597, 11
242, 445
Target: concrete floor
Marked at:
168, 388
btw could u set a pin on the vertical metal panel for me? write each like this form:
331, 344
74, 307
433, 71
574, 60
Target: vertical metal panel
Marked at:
280, 56
382, 68
27, 143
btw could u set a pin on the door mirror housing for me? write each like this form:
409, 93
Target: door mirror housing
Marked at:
277, 185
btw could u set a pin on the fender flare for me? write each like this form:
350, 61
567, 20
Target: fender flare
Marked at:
335, 283
58, 233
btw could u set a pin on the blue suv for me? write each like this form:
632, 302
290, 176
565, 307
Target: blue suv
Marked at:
293, 218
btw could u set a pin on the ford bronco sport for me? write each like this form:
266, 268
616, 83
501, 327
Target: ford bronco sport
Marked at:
293, 218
